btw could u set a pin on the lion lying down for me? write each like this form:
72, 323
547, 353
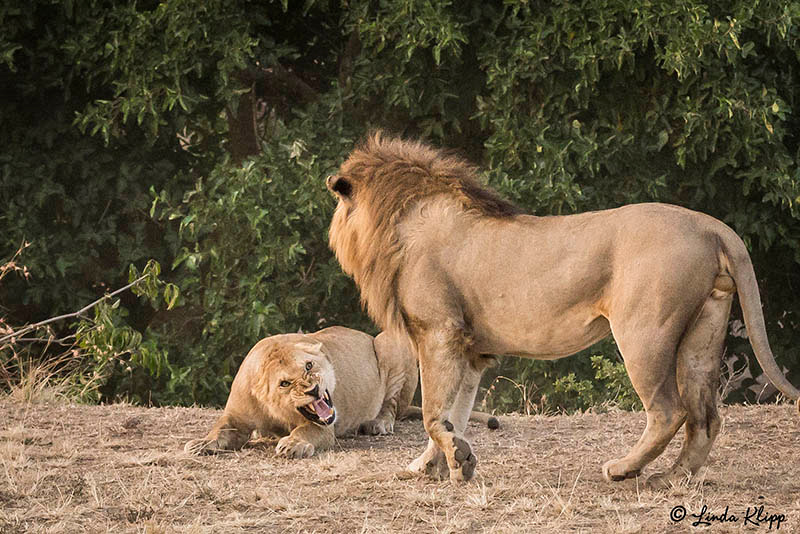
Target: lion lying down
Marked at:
310, 388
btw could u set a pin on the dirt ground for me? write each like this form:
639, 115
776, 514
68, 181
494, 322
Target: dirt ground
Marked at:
120, 468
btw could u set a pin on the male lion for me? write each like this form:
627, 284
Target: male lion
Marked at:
464, 273
287, 385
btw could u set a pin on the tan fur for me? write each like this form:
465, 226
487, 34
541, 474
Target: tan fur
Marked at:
371, 382
463, 273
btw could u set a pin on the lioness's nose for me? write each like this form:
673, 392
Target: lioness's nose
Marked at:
314, 392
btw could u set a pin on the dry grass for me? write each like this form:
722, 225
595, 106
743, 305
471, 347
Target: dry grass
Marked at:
72, 468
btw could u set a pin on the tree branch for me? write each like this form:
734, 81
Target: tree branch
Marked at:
279, 87
347, 61
26, 329
280, 81
242, 127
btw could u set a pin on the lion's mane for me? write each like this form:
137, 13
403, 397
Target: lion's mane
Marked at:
386, 176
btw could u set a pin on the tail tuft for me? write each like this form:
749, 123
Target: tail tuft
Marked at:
494, 423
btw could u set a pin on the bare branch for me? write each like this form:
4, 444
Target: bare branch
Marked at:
67, 341
26, 329
11, 265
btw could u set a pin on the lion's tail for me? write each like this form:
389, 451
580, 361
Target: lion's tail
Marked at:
414, 412
741, 268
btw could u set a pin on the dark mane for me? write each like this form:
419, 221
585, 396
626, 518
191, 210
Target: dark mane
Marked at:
395, 172
385, 177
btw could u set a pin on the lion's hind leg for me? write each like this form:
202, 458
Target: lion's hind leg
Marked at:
658, 390
384, 421
698, 370
228, 434
399, 363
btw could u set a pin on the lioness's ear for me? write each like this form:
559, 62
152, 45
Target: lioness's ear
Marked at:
310, 348
339, 185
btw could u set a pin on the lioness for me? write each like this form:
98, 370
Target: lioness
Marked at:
288, 383
464, 273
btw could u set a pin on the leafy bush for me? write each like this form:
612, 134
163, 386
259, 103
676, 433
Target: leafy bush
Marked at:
36, 365
593, 379
199, 133
253, 261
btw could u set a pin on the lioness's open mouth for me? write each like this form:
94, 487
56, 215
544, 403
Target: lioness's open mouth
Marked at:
319, 411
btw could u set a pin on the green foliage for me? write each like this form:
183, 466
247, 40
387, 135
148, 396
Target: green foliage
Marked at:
101, 346
116, 351
168, 66
199, 133
253, 262
594, 379
594, 104
110, 346
613, 376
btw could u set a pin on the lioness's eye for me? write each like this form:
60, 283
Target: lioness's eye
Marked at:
285, 383
309, 365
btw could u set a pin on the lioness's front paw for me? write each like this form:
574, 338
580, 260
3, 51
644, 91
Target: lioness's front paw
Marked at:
292, 447
375, 427
200, 446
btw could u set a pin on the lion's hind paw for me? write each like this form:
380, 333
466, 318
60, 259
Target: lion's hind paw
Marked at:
615, 471
434, 466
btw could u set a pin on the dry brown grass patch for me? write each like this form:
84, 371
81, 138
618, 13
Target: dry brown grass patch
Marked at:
66, 468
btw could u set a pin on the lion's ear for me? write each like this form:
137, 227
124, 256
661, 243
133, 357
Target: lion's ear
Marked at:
340, 186
310, 348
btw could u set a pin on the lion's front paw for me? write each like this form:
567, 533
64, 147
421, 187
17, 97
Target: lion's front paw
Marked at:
375, 427
466, 461
292, 447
